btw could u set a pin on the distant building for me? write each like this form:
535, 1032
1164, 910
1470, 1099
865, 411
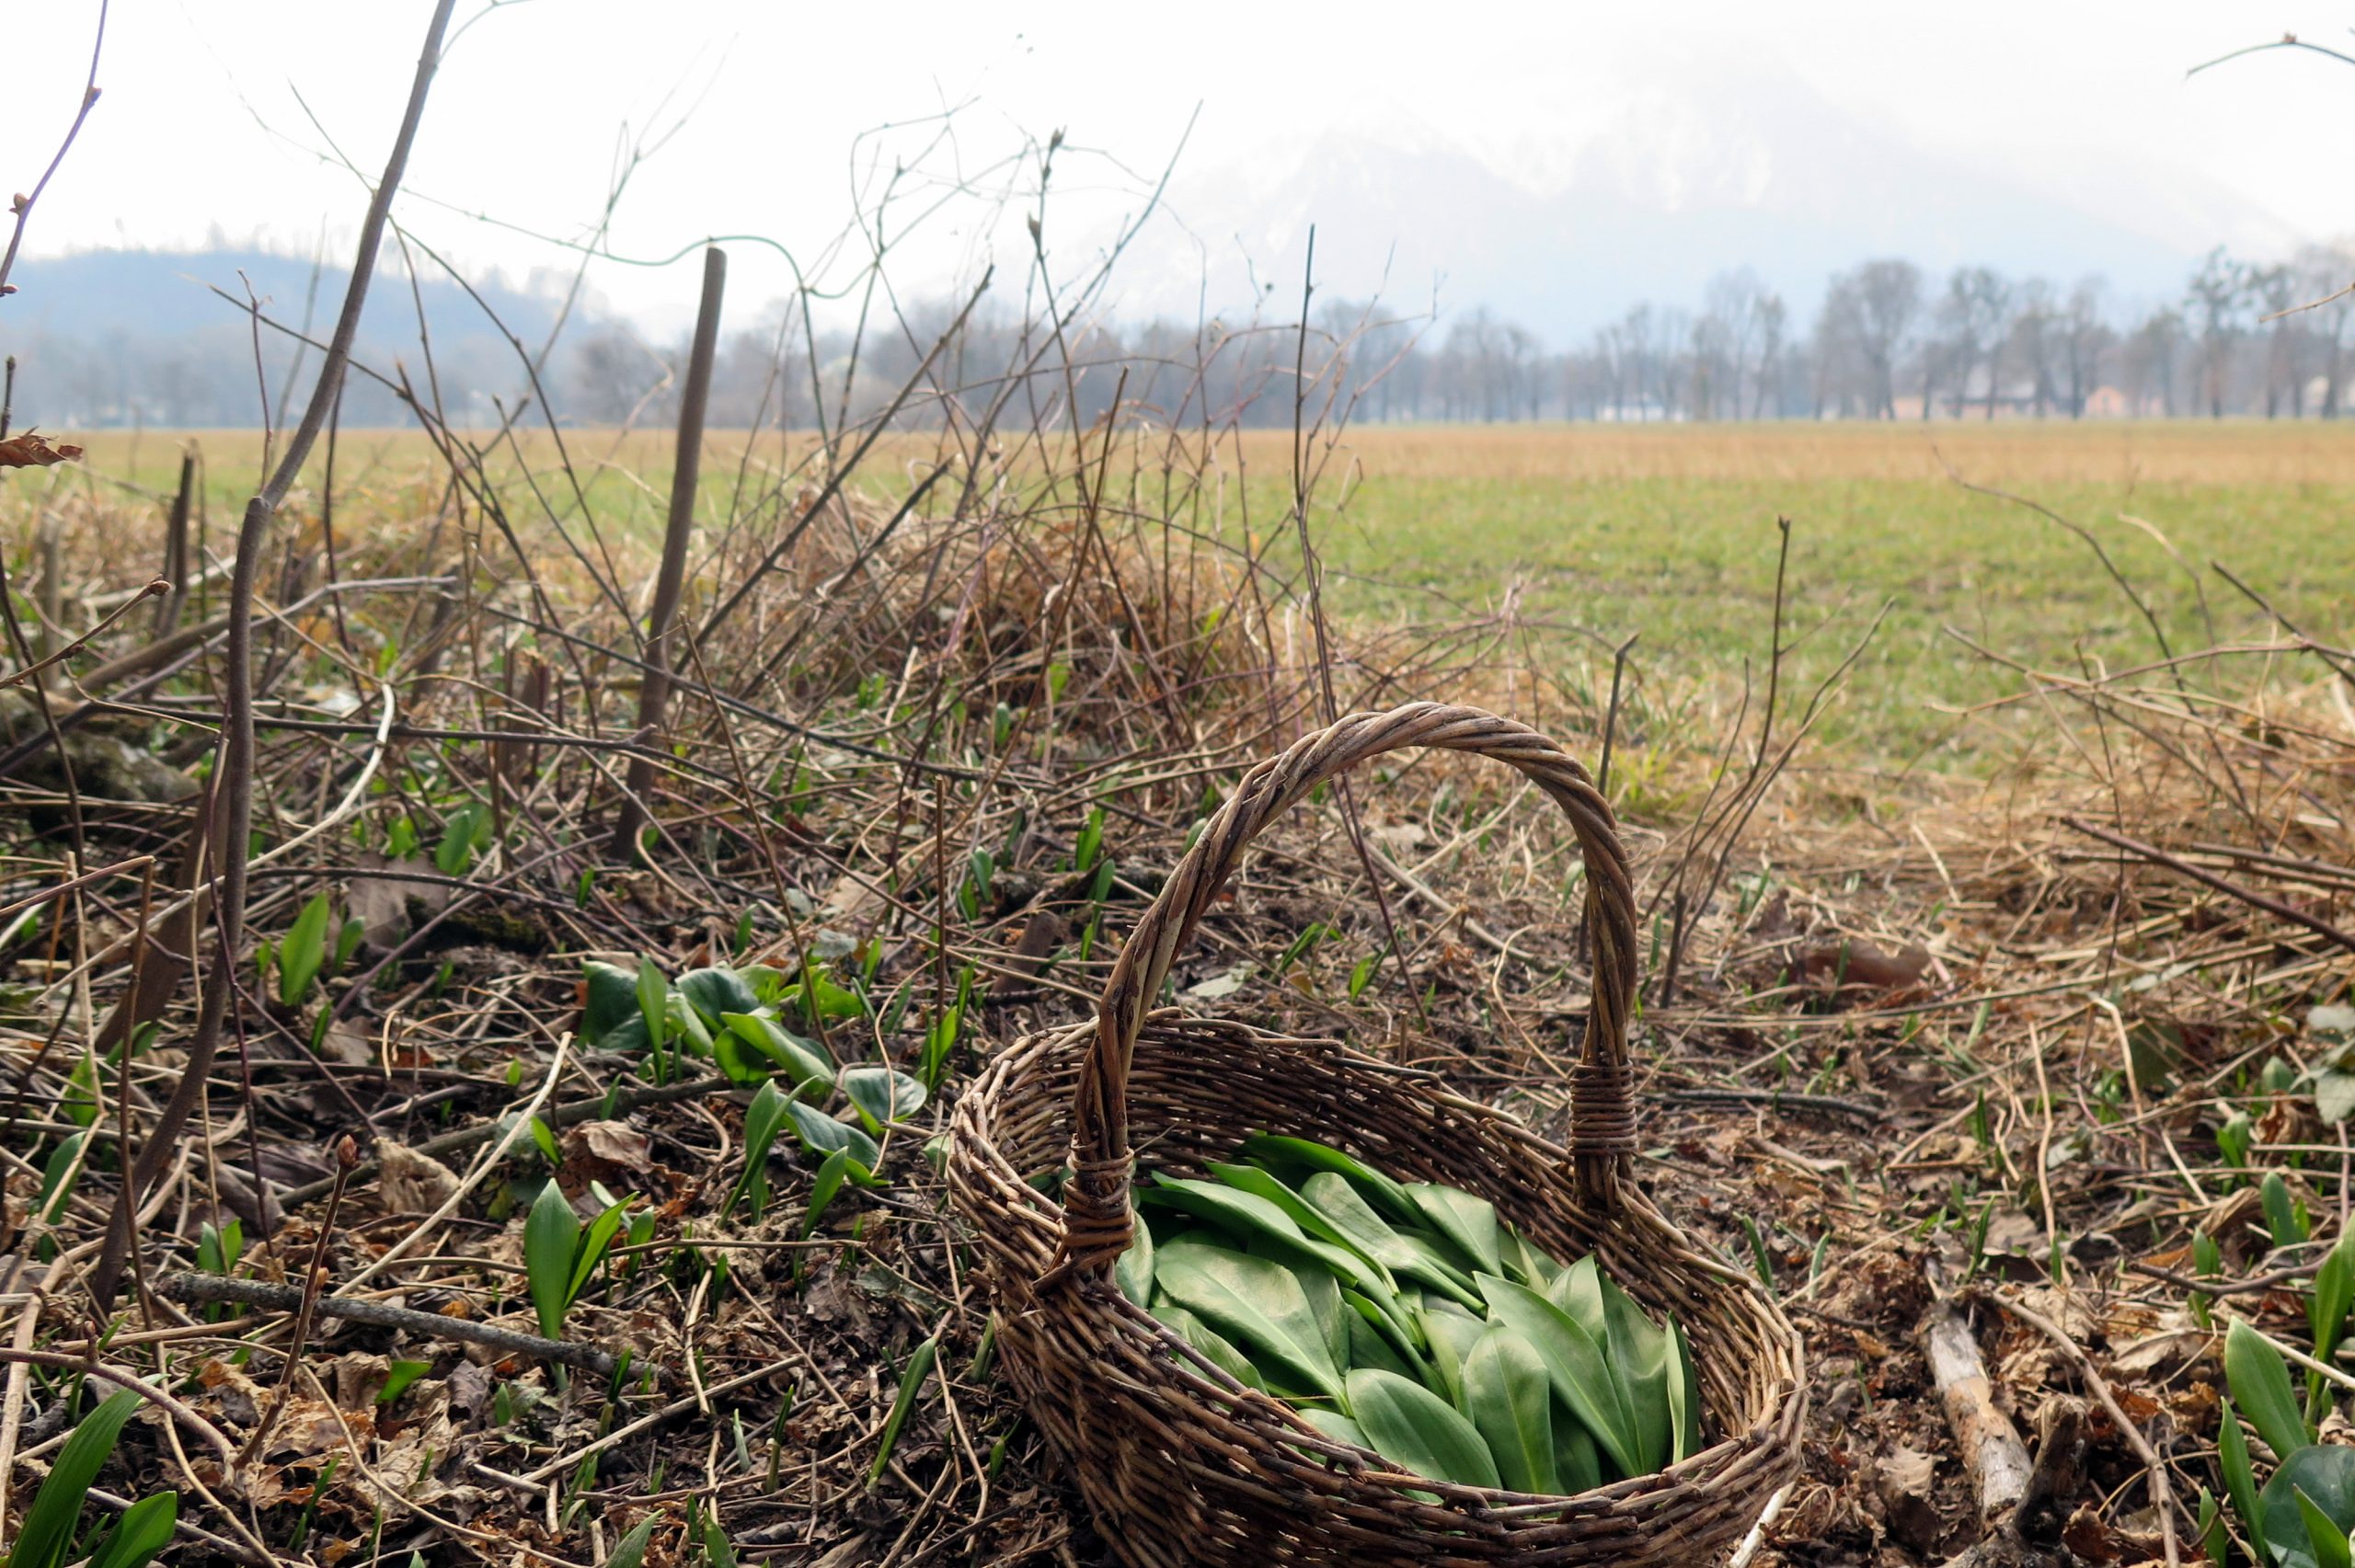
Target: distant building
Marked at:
2109, 403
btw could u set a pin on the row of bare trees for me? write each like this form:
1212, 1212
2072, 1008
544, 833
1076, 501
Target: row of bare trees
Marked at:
1887, 341
2244, 337
1891, 341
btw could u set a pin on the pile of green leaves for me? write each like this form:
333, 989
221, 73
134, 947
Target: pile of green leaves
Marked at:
1407, 1319
756, 1027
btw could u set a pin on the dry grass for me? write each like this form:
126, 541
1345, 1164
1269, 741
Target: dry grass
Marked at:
1920, 1031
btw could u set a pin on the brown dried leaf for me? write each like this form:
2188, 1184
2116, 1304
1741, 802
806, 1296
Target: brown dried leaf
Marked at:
1906, 1478
1852, 964
348, 1043
309, 1427
602, 1149
388, 908
31, 449
411, 1183
2090, 1537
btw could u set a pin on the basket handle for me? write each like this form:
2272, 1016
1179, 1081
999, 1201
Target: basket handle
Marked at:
1097, 1222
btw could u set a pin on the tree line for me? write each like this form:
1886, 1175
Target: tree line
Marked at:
1887, 340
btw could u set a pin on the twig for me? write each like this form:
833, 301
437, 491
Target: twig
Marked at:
1776, 1099
2287, 40
2153, 1467
120, 868
124, 1378
236, 766
686, 469
2249, 895
2262, 603
23, 206
678, 1407
152, 589
515, 1127
211, 1287
2255, 1285
563, 1116
168, 613
1611, 713
222, 1544
347, 1155
1991, 1447
1757, 1536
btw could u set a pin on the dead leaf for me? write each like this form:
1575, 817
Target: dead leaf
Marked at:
469, 1388
1220, 985
347, 1043
2012, 1233
851, 901
608, 1147
309, 1427
357, 1377
2070, 1309
266, 1487
1852, 964
1906, 1477
410, 1462
388, 908
241, 1399
2090, 1537
33, 451
1773, 922
411, 1183
2159, 1356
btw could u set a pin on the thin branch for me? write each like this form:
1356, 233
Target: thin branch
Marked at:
24, 204
2223, 884
211, 1288
237, 763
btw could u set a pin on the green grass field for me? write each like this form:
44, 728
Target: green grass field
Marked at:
1672, 534
1669, 532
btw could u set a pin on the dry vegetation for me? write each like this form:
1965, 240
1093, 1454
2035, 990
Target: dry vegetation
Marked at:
1994, 1046
1883, 1012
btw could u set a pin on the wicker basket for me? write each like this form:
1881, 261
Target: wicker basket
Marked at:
1183, 1465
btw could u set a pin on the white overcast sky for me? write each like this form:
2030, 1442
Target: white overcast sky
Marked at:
202, 126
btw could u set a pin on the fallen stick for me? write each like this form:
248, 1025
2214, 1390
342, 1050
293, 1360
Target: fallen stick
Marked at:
205, 1287
2225, 886
561, 1117
1990, 1446
2031, 1536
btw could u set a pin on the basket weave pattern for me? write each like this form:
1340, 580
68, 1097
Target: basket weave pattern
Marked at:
1183, 1465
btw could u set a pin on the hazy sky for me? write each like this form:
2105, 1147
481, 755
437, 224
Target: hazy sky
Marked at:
204, 123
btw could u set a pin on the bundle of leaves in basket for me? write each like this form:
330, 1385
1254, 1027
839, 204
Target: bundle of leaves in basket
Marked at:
1238, 1426
1404, 1318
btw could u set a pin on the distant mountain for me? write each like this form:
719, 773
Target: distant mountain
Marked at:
1644, 193
164, 293
121, 336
